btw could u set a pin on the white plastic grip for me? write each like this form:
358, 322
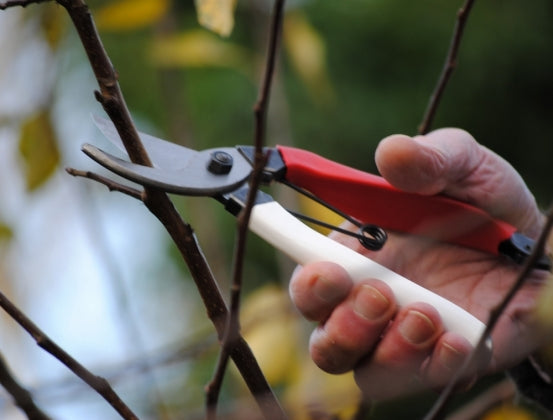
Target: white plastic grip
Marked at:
304, 245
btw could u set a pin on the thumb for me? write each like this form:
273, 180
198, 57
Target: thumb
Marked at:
449, 161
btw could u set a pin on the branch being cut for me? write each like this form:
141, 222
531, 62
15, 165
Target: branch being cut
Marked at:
112, 100
449, 66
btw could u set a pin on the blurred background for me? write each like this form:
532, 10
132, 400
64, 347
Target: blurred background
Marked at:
98, 273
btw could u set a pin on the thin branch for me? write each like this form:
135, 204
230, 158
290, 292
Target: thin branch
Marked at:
437, 411
110, 184
20, 3
21, 397
232, 331
99, 384
449, 67
185, 350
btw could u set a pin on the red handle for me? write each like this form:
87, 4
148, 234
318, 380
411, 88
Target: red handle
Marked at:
371, 199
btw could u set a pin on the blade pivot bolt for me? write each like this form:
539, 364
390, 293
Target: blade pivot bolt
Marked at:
220, 163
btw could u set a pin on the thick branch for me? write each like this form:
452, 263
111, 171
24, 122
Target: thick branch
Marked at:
160, 205
99, 384
449, 66
21, 397
111, 98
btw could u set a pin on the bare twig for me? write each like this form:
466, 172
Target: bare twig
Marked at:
110, 184
21, 397
232, 331
20, 3
213, 389
449, 66
99, 384
437, 410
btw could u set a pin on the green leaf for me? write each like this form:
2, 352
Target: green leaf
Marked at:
39, 150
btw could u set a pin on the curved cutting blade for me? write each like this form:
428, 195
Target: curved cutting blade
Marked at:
190, 176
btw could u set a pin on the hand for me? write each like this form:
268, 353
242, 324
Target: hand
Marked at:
397, 350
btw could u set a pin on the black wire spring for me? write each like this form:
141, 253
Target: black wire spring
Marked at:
372, 237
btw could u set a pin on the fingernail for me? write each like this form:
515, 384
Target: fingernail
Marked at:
450, 357
325, 290
416, 327
370, 303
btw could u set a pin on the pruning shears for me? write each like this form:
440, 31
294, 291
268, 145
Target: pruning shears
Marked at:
368, 200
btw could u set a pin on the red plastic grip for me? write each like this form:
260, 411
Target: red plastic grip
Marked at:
371, 199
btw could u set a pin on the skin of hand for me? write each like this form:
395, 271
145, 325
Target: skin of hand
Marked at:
395, 351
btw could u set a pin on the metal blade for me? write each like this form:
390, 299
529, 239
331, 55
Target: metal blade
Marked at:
192, 179
163, 154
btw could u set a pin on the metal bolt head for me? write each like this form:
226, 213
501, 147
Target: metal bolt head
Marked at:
220, 163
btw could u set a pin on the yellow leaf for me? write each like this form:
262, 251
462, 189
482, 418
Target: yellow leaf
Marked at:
38, 148
6, 232
216, 15
276, 336
128, 15
544, 307
199, 48
317, 211
337, 396
271, 330
307, 53
508, 412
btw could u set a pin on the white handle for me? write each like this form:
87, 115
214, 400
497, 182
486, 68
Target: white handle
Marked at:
282, 230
